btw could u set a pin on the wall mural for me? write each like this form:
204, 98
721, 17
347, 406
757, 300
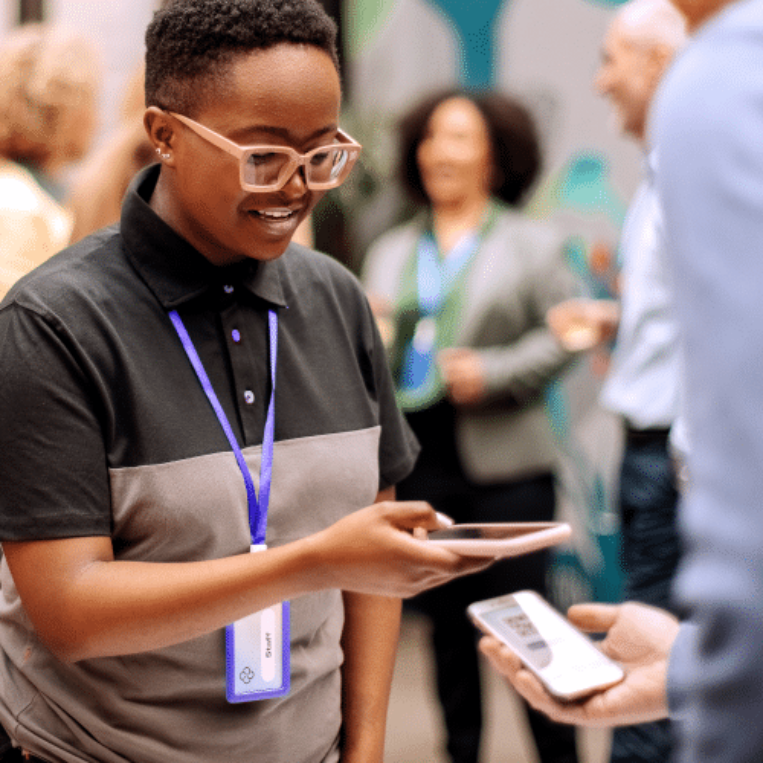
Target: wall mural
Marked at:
474, 25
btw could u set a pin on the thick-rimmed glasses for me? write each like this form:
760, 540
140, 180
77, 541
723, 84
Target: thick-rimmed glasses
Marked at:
269, 168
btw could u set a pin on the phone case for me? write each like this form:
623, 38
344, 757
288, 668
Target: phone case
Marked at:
258, 655
540, 535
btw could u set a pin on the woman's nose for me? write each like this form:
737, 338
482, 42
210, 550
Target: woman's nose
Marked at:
296, 185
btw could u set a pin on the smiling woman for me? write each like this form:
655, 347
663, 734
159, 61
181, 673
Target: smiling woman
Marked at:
141, 364
285, 95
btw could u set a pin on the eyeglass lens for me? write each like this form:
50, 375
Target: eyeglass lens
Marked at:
267, 169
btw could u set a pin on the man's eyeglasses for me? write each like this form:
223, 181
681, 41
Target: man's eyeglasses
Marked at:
269, 168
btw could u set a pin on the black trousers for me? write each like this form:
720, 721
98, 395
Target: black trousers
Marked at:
14, 755
439, 479
11, 754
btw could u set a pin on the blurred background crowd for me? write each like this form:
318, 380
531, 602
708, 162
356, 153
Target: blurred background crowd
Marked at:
530, 216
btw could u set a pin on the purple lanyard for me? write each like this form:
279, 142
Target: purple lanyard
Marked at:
258, 510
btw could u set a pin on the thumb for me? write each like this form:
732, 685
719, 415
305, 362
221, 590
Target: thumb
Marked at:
594, 618
502, 658
410, 514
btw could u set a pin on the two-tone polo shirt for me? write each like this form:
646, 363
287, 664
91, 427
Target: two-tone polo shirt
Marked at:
106, 431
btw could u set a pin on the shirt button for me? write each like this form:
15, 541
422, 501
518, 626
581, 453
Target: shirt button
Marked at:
248, 397
228, 289
236, 335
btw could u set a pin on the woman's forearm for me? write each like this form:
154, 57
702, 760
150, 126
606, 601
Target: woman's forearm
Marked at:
84, 604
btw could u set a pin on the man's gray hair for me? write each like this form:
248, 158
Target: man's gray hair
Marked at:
652, 22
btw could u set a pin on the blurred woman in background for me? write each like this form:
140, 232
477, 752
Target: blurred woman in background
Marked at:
48, 89
461, 293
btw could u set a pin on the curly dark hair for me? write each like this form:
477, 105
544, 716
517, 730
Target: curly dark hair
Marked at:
513, 137
189, 43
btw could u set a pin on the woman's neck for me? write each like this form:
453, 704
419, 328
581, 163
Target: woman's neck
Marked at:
451, 221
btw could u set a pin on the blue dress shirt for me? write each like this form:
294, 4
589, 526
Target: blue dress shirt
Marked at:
642, 384
709, 126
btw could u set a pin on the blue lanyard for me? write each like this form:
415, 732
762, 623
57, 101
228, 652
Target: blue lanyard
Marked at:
436, 276
258, 510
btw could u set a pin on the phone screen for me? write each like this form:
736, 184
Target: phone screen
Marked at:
485, 532
519, 630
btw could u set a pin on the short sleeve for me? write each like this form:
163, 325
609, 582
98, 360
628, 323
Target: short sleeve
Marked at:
53, 469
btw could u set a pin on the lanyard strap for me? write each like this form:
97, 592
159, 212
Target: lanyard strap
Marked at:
258, 510
436, 276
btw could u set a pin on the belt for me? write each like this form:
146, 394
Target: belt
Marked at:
651, 433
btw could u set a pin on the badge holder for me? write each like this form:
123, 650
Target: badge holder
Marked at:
257, 654
418, 360
258, 646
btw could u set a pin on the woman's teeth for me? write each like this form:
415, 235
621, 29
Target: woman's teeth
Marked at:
274, 214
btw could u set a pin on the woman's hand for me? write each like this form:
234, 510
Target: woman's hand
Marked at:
374, 551
384, 313
463, 374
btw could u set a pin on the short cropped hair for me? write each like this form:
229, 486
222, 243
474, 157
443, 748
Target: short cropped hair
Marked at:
513, 138
190, 43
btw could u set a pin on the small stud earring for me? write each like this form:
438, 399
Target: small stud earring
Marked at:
163, 156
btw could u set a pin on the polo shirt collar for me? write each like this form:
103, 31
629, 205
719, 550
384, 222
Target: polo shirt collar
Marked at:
173, 269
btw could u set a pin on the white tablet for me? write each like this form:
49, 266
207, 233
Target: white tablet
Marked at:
500, 539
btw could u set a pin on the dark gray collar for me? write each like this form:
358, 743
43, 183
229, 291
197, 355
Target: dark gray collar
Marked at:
174, 270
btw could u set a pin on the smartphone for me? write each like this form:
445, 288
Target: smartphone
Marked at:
500, 539
563, 658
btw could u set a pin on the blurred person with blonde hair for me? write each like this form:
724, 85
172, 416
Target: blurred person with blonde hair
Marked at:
102, 181
47, 120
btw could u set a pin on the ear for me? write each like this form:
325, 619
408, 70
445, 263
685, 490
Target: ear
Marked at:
658, 60
162, 132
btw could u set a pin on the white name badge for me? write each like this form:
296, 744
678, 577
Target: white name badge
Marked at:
257, 654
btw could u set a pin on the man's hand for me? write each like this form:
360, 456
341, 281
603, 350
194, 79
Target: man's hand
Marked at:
639, 637
582, 324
